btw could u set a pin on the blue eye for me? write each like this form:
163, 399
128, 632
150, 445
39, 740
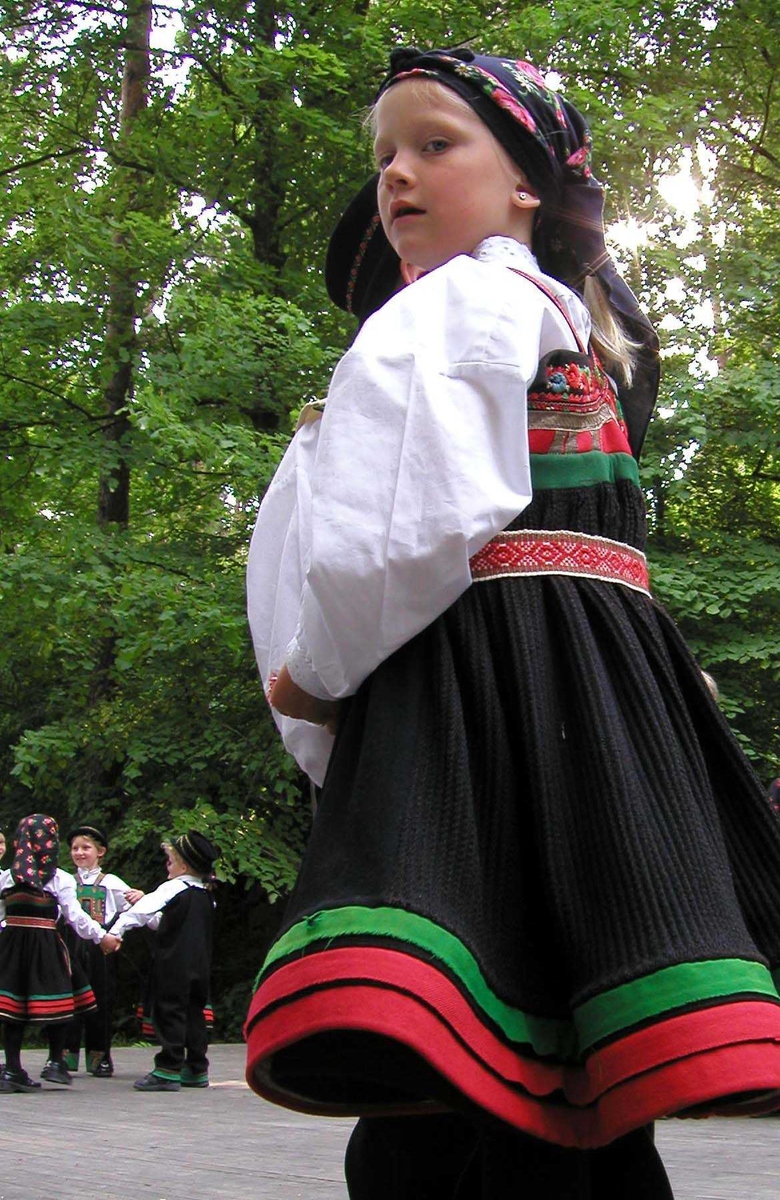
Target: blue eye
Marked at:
436, 145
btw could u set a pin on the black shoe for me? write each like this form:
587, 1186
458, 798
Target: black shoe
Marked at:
99, 1065
17, 1081
156, 1083
56, 1072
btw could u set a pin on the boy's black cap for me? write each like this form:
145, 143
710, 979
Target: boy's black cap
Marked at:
197, 851
94, 832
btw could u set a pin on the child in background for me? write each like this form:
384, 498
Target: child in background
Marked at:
37, 984
103, 896
181, 911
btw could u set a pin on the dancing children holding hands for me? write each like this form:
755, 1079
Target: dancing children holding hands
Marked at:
38, 983
103, 896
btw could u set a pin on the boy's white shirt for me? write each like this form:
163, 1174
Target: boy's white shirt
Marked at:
421, 456
149, 909
63, 887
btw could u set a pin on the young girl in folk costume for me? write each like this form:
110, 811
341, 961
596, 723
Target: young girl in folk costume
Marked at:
103, 896
37, 984
181, 911
542, 882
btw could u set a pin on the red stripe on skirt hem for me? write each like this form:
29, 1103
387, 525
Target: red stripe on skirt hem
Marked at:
677, 1063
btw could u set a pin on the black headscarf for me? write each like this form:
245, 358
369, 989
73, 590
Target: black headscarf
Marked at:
541, 132
36, 851
362, 269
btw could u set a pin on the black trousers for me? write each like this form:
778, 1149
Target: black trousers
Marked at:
180, 1024
95, 1026
448, 1157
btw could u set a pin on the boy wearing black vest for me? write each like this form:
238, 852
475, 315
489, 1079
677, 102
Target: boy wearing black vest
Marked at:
181, 911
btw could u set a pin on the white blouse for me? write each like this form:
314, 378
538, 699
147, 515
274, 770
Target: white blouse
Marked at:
63, 887
421, 456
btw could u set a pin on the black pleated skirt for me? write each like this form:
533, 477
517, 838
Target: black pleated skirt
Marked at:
543, 880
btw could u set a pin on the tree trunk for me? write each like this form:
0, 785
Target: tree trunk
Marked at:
113, 506
267, 190
114, 486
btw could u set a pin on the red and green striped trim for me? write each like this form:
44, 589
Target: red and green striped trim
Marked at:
41, 1007
684, 1061
84, 999
604, 1016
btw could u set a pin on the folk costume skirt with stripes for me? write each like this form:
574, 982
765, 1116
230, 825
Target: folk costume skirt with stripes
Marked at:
37, 983
543, 880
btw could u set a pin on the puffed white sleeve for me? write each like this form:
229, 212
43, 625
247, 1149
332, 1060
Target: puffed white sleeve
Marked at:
148, 910
422, 458
117, 887
278, 560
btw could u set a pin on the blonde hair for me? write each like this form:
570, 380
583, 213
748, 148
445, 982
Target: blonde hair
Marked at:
174, 855
612, 344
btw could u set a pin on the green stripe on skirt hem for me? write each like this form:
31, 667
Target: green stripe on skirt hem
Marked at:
612, 1012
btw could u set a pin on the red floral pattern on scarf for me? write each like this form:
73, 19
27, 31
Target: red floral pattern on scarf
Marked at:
36, 851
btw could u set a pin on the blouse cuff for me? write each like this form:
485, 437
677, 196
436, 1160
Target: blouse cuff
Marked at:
302, 671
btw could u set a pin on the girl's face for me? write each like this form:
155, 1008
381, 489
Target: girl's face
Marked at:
445, 182
85, 853
2, 844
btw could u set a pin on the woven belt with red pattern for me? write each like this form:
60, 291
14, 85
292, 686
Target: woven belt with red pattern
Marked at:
32, 922
560, 552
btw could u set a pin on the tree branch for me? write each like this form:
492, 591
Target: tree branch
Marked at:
49, 391
42, 158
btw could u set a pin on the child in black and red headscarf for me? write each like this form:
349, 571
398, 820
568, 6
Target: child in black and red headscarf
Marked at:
542, 884
37, 985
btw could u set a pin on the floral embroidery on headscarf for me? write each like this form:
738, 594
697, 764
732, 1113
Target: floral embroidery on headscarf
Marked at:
516, 110
36, 850
519, 89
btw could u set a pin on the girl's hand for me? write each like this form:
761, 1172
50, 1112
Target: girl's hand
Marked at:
133, 895
109, 943
291, 701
